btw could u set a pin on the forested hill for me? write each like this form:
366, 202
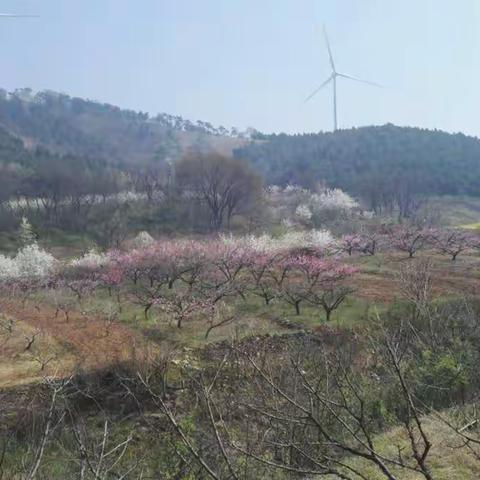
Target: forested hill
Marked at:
372, 161
384, 164
66, 125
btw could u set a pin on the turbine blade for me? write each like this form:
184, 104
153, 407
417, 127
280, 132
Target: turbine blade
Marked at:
13, 15
329, 79
332, 63
359, 80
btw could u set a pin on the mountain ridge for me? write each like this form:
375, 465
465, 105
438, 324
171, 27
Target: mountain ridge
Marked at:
70, 125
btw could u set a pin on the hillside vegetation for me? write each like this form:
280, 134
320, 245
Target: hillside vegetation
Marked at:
67, 125
383, 165
307, 309
387, 167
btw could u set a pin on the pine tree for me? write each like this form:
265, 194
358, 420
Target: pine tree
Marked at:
26, 233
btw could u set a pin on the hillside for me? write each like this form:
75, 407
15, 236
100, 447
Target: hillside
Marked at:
66, 125
179, 320
382, 164
389, 168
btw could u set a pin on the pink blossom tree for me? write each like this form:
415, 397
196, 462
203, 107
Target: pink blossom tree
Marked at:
351, 243
452, 241
222, 276
181, 305
330, 291
410, 239
260, 269
318, 281
371, 242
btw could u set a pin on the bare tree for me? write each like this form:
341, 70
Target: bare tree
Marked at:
226, 186
452, 242
306, 410
415, 283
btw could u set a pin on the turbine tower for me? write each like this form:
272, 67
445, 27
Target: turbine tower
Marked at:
333, 78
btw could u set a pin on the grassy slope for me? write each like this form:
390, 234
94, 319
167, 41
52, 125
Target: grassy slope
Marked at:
375, 290
456, 211
446, 461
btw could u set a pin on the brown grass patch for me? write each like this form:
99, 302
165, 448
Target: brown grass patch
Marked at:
82, 342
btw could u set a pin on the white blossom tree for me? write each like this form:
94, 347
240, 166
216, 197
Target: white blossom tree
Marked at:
32, 261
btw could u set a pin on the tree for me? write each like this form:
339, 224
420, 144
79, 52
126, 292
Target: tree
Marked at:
316, 280
452, 242
370, 242
226, 186
410, 239
415, 284
30, 263
390, 167
323, 282
259, 268
26, 233
351, 243
308, 409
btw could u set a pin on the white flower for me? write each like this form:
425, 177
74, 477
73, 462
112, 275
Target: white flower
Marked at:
92, 259
333, 199
32, 261
142, 240
128, 196
273, 189
8, 268
303, 212
321, 238
294, 189
306, 239
293, 239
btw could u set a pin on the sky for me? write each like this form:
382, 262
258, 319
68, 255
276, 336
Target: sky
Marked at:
253, 62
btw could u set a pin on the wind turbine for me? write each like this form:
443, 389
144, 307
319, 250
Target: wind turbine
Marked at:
333, 78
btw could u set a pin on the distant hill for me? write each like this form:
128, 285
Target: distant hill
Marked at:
67, 125
381, 164
387, 166
12, 149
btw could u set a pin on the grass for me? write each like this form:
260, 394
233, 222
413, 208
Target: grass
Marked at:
375, 286
63, 244
255, 318
471, 226
20, 366
446, 460
456, 210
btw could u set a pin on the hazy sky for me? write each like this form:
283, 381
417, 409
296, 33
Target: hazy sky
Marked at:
252, 62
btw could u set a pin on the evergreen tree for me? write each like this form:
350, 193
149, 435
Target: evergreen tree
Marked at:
26, 233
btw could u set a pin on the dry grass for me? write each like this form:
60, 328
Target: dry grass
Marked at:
88, 341
61, 347
376, 280
19, 365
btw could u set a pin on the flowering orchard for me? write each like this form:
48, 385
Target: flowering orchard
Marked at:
187, 280
294, 205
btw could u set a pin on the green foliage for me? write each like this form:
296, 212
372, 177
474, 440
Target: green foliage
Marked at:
68, 125
372, 161
441, 377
